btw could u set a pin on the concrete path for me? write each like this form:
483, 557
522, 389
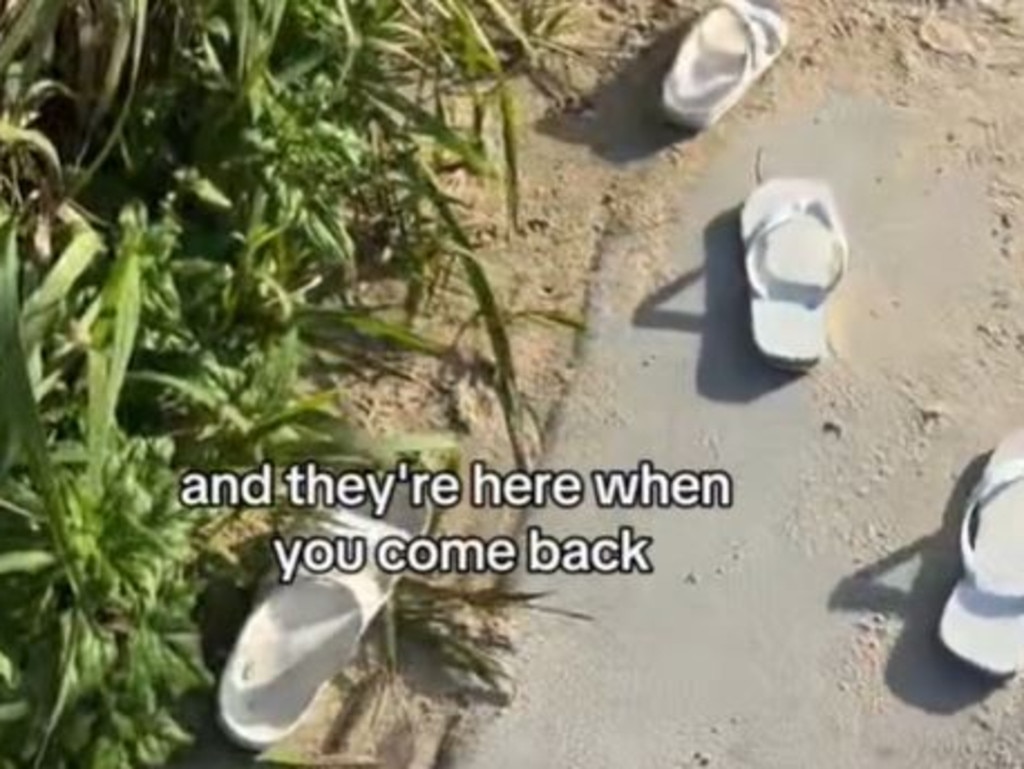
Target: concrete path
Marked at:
796, 629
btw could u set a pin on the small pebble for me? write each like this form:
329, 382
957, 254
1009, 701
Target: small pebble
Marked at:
932, 413
984, 721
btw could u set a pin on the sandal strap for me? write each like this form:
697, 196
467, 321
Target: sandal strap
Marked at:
814, 210
762, 25
995, 480
344, 524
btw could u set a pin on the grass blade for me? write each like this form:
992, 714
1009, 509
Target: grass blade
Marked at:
33, 20
508, 24
13, 711
508, 389
41, 307
23, 432
114, 333
26, 562
552, 317
34, 140
319, 319
510, 148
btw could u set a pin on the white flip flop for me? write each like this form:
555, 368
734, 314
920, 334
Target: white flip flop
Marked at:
729, 47
796, 253
301, 635
983, 622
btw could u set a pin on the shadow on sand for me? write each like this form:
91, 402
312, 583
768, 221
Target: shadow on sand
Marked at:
729, 367
920, 671
622, 121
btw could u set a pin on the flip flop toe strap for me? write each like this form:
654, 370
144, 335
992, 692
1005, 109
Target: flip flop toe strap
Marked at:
765, 33
763, 27
342, 524
997, 479
816, 212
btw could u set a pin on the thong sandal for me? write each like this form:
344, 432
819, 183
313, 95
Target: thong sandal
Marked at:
796, 253
729, 48
300, 635
983, 621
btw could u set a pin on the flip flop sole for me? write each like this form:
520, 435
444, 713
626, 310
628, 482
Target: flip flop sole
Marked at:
975, 630
789, 335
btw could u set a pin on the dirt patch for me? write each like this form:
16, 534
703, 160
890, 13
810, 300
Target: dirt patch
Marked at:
596, 162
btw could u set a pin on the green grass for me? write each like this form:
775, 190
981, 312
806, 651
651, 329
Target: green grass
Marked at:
189, 193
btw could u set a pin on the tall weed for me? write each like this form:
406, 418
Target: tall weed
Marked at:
189, 192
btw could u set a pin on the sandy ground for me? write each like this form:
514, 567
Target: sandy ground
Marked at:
798, 628
774, 634
795, 629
